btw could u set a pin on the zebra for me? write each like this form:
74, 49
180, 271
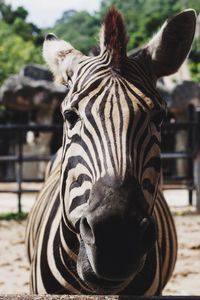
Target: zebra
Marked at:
100, 224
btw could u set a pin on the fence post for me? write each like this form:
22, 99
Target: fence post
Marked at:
191, 140
197, 161
19, 169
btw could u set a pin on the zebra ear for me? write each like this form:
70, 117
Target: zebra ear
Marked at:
113, 37
61, 58
171, 45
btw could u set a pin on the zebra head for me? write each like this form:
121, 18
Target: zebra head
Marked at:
110, 168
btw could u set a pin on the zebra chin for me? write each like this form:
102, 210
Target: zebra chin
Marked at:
110, 281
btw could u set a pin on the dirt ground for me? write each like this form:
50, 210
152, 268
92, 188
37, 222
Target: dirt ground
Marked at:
186, 276
14, 269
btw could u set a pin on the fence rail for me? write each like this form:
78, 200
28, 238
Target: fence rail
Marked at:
174, 181
20, 158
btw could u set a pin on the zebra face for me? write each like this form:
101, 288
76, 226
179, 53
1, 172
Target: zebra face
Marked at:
110, 167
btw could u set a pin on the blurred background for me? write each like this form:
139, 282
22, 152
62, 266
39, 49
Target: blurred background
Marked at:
24, 23
31, 123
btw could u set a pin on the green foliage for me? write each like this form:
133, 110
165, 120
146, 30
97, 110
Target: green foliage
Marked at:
15, 51
80, 28
25, 29
13, 216
195, 60
195, 52
142, 18
17, 20
195, 71
18, 40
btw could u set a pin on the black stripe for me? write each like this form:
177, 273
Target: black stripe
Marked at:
91, 61
88, 112
73, 161
79, 181
103, 120
95, 63
113, 129
93, 143
94, 72
121, 122
77, 201
70, 237
172, 235
76, 139
49, 281
131, 90
143, 135
131, 119
44, 208
85, 92
70, 277
153, 141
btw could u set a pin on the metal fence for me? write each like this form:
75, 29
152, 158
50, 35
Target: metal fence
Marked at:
19, 157
170, 181
191, 153
175, 181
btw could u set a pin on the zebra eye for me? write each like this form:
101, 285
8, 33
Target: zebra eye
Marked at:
148, 186
71, 116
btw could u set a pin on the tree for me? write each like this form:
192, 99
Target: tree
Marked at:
15, 52
17, 19
82, 37
20, 41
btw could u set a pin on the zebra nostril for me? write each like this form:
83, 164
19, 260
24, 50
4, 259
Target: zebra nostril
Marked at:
86, 231
50, 37
148, 237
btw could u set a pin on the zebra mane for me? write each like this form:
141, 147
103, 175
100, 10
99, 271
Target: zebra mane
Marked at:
114, 37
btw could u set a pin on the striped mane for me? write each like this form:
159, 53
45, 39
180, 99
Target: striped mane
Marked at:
114, 37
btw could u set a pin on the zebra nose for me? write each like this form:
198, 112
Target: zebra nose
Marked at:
110, 231
51, 37
116, 248
104, 230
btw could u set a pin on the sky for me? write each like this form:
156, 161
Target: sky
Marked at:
44, 13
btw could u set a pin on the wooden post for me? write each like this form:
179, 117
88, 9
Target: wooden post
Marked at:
197, 161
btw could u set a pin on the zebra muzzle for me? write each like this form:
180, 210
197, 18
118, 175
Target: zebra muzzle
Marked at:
116, 247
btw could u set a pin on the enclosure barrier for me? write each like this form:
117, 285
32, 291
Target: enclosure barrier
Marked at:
69, 297
192, 154
19, 157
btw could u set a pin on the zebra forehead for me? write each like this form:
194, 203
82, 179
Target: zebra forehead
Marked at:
106, 86
96, 74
